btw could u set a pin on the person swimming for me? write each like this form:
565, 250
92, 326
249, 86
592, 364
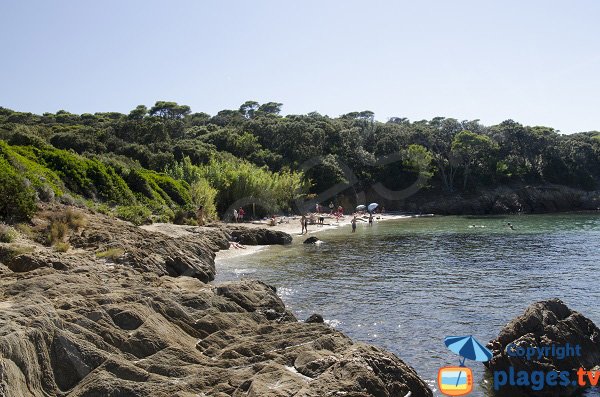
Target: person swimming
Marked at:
510, 225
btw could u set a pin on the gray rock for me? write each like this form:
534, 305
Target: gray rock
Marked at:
544, 324
259, 236
314, 318
312, 240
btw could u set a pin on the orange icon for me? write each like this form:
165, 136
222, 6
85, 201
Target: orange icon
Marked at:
455, 381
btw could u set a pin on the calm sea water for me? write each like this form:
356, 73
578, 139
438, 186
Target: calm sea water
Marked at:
406, 284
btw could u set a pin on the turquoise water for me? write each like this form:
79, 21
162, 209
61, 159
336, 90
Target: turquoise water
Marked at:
406, 284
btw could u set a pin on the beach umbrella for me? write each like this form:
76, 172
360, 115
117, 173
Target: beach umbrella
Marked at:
468, 347
372, 207
361, 207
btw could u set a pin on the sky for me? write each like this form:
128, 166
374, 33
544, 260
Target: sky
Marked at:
533, 61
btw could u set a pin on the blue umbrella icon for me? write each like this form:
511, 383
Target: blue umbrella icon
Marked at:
468, 348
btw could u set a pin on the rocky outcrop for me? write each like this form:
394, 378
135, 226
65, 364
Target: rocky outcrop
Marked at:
547, 323
255, 236
129, 326
505, 200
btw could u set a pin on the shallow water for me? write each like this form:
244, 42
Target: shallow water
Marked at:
406, 284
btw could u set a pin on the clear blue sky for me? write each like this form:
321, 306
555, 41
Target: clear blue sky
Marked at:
536, 62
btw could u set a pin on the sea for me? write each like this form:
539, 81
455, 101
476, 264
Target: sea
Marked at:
406, 284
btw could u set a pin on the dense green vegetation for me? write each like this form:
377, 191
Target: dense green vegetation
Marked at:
154, 163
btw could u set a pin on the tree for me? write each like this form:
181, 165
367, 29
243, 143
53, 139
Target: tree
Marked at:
270, 108
169, 110
471, 150
138, 113
248, 109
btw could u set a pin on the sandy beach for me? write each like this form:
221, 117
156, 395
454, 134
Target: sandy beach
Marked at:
291, 225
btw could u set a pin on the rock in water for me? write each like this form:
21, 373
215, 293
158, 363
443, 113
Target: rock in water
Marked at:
314, 318
547, 323
312, 240
258, 236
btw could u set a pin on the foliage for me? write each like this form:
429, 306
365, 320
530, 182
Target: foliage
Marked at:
204, 195
136, 214
17, 197
269, 159
241, 184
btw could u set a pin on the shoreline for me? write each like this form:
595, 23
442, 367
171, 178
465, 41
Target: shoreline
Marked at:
292, 227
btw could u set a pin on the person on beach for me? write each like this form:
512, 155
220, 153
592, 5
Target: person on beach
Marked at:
236, 245
353, 222
321, 220
200, 215
241, 213
331, 207
235, 215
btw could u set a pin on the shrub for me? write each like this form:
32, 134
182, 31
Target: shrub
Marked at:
204, 195
7, 234
17, 198
136, 214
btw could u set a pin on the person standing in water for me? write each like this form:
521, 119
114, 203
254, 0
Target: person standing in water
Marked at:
353, 222
370, 219
303, 223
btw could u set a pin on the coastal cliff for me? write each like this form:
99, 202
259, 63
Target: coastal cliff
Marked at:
131, 312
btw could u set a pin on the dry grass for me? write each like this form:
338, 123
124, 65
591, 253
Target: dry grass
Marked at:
62, 247
62, 223
7, 234
111, 253
9, 252
25, 230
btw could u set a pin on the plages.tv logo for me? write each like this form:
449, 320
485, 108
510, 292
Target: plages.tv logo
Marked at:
458, 380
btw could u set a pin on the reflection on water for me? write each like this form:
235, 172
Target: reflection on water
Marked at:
405, 285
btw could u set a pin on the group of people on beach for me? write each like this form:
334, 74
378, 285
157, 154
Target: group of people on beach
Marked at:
238, 215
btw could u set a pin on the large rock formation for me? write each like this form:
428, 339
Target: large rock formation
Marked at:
547, 323
145, 323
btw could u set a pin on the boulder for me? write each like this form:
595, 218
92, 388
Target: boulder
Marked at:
547, 323
312, 240
259, 236
314, 318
